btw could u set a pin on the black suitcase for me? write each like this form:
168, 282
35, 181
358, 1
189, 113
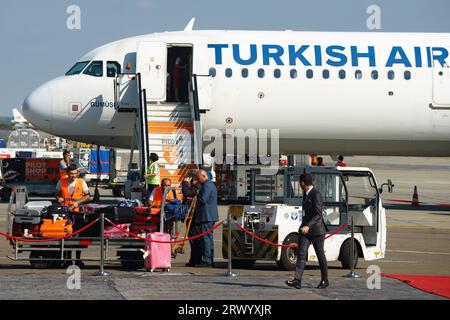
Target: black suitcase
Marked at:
118, 215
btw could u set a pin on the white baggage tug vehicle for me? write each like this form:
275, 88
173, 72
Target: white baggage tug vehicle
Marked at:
276, 213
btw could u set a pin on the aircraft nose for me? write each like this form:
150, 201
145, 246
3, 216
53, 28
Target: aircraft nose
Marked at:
38, 108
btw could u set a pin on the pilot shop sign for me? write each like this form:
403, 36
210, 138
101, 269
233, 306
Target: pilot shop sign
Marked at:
42, 169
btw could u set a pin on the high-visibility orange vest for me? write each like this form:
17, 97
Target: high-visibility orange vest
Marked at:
77, 194
158, 196
62, 172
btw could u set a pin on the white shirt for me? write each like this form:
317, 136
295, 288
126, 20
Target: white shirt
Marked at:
72, 186
309, 189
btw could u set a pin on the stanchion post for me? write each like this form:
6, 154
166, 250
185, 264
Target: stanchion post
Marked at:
352, 273
230, 272
102, 271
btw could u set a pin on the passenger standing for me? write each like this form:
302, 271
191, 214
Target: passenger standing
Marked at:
64, 164
153, 178
190, 191
320, 162
341, 162
177, 77
205, 216
312, 230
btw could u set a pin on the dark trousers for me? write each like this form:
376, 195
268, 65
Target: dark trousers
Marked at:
196, 252
303, 246
202, 249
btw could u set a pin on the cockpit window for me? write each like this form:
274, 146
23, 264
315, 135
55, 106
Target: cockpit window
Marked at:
77, 68
95, 69
112, 69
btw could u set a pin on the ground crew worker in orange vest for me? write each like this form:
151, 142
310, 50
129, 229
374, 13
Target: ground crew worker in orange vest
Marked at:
64, 164
72, 192
156, 197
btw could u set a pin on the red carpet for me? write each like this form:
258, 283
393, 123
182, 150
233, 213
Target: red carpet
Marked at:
438, 285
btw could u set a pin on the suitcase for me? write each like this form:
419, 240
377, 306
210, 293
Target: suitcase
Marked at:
157, 255
140, 228
37, 205
113, 232
147, 215
28, 216
91, 208
118, 215
59, 228
18, 230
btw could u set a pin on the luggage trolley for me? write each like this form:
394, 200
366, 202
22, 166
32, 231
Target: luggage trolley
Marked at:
52, 254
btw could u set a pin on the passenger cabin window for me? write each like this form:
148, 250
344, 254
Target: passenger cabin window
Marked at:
261, 73
391, 75
358, 74
293, 73
277, 73
228, 72
309, 74
341, 74
212, 72
407, 75
244, 73
374, 74
95, 69
326, 74
77, 68
112, 69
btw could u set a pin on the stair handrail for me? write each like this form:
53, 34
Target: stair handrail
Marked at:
198, 134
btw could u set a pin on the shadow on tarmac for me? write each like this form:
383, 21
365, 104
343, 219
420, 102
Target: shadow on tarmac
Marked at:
422, 207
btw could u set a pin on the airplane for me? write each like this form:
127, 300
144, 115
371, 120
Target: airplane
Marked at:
354, 93
18, 121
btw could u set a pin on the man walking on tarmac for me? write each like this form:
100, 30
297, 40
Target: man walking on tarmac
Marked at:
312, 230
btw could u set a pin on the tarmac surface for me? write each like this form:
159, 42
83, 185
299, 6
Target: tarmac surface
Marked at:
418, 243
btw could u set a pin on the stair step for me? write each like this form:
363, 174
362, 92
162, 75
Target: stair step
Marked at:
180, 107
169, 119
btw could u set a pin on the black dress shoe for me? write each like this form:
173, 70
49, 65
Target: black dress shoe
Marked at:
297, 284
203, 265
323, 284
190, 264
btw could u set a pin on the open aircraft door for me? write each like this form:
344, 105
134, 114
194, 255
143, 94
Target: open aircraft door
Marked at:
151, 62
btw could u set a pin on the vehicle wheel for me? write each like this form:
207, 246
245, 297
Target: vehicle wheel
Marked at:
288, 259
345, 254
118, 191
242, 264
37, 260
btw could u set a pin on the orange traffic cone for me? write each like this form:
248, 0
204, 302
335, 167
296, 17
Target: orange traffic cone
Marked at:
415, 199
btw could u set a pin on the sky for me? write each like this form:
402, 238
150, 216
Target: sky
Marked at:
36, 45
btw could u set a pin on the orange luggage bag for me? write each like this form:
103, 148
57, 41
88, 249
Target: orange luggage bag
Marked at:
59, 228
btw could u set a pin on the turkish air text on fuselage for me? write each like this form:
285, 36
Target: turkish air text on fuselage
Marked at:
333, 55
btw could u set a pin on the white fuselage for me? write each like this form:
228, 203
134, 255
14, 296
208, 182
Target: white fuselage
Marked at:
303, 92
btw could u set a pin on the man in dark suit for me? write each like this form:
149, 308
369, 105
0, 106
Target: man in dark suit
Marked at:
205, 216
312, 230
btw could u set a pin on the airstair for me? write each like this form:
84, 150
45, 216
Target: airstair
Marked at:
172, 130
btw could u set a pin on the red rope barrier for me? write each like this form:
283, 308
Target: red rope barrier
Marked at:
157, 241
8, 236
283, 245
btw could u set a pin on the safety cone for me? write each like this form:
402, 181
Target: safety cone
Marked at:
415, 199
